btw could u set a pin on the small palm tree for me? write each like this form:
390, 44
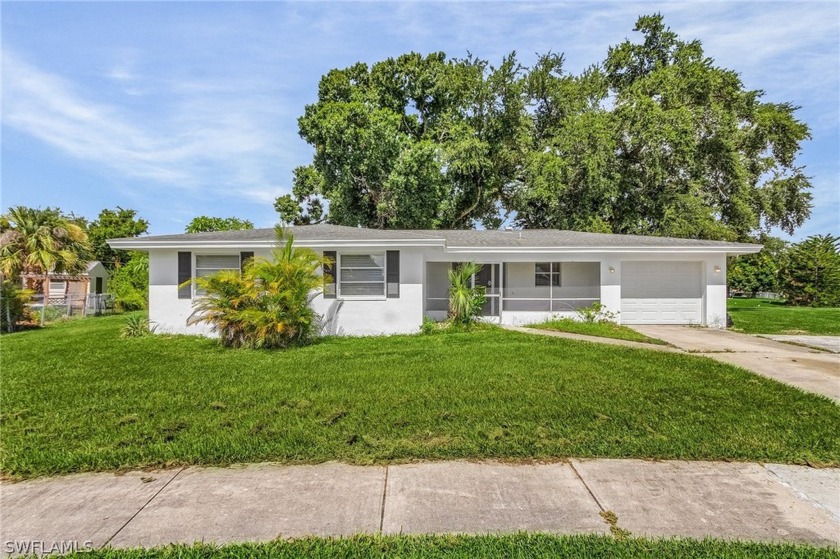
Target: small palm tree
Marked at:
41, 241
268, 305
465, 301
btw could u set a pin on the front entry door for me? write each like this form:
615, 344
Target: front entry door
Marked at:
488, 277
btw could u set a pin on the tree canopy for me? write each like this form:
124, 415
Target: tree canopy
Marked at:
655, 139
411, 142
41, 241
114, 224
204, 224
810, 272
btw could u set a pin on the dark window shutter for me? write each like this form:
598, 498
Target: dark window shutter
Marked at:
329, 274
392, 269
243, 258
184, 275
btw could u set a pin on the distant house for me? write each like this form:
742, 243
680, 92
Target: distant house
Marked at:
386, 281
74, 290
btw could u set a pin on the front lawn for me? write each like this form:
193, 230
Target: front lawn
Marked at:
599, 329
521, 545
76, 397
772, 316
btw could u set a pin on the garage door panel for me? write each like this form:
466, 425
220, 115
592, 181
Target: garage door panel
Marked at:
661, 311
661, 293
664, 280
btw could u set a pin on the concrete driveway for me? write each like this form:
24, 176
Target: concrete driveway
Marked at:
809, 369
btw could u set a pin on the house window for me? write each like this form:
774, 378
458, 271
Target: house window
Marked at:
547, 273
209, 264
57, 288
361, 275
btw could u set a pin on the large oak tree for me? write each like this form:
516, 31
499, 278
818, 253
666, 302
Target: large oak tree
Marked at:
655, 139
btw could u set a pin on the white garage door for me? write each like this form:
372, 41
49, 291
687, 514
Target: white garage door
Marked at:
661, 292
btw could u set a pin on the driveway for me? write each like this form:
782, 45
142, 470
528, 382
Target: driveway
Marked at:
828, 343
809, 369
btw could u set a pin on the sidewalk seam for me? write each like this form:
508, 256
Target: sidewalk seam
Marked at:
146, 504
384, 495
580, 477
795, 490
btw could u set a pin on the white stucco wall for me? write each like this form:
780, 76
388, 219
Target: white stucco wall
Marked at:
166, 310
715, 291
355, 317
365, 317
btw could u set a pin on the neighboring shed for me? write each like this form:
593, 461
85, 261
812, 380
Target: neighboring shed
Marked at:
73, 290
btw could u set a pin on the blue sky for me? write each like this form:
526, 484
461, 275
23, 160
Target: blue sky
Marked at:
184, 109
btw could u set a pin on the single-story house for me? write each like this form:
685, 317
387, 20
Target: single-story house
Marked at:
386, 281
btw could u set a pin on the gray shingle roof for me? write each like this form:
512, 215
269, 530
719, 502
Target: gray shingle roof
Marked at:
533, 238
571, 239
320, 232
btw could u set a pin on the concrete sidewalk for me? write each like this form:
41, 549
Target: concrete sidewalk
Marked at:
266, 501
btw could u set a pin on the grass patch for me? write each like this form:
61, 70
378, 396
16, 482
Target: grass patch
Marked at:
599, 329
521, 546
77, 397
771, 316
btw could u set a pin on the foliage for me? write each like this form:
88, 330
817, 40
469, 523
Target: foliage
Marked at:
13, 307
489, 546
810, 272
38, 241
596, 312
137, 326
429, 325
50, 313
655, 139
773, 316
129, 283
114, 224
205, 224
268, 304
481, 394
752, 273
410, 142
465, 300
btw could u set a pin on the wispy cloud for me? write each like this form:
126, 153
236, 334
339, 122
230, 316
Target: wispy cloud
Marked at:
202, 141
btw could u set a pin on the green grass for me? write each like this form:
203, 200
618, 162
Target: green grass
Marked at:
771, 316
77, 397
599, 329
515, 546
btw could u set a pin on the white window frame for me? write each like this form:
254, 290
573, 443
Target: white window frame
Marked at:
63, 284
551, 274
195, 268
338, 272
57, 282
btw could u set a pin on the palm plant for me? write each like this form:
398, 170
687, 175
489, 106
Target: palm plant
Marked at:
268, 305
465, 301
41, 241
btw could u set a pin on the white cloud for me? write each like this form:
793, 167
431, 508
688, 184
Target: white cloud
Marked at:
199, 140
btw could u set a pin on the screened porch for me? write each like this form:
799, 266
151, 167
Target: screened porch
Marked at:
545, 287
